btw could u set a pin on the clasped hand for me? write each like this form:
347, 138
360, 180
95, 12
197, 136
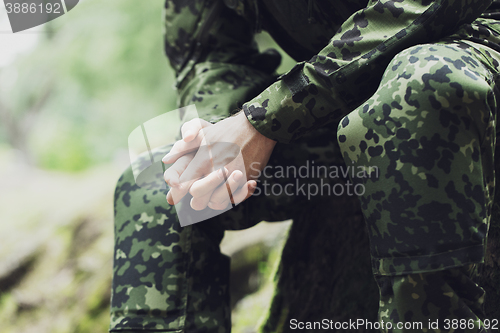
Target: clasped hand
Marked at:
212, 159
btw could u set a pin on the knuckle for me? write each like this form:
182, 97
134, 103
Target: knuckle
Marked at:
219, 206
195, 192
218, 200
197, 204
175, 148
185, 126
168, 175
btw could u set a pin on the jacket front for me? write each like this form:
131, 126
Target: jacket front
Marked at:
342, 48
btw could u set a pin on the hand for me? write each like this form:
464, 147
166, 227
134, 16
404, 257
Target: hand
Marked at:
181, 154
195, 174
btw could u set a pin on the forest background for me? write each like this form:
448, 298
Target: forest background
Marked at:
69, 98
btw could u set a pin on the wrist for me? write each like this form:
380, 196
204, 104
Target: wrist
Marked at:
247, 126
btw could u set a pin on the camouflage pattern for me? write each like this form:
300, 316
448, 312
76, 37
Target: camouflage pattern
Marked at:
166, 278
347, 71
443, 301
430, 130
173, 279
218, 65
169, 278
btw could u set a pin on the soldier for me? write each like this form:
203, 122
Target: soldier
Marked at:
408, 86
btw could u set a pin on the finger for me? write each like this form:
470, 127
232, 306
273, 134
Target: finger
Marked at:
191, 128
174, 195
178, 192
170, 199
172, 175
219, 206
244, 193
202, 189
181, 148
222, 193
200, 203
209, 183
193, 137
241, 195
200, 167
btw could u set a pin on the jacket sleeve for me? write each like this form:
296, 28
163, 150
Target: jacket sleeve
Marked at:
217, 63
348, 70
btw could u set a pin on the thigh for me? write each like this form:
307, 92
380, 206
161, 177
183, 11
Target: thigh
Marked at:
425, 140
165, 277
168, 277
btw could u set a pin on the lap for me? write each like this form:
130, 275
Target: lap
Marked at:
159, 264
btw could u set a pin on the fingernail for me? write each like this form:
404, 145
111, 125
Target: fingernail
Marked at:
165, 158
188, 133
237, 176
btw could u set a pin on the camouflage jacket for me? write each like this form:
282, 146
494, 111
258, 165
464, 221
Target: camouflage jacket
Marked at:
342, 48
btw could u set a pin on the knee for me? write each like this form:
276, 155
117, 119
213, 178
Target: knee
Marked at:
426, 89
439, 78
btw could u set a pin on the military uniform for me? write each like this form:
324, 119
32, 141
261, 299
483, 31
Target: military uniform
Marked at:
408, 86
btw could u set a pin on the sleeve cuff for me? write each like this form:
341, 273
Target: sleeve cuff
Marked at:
292, 107
273, 113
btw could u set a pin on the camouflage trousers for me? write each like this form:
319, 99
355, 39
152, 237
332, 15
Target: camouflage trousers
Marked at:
419, 154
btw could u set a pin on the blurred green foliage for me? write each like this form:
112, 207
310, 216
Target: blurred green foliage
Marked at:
105, 72
69, 105
97, 73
